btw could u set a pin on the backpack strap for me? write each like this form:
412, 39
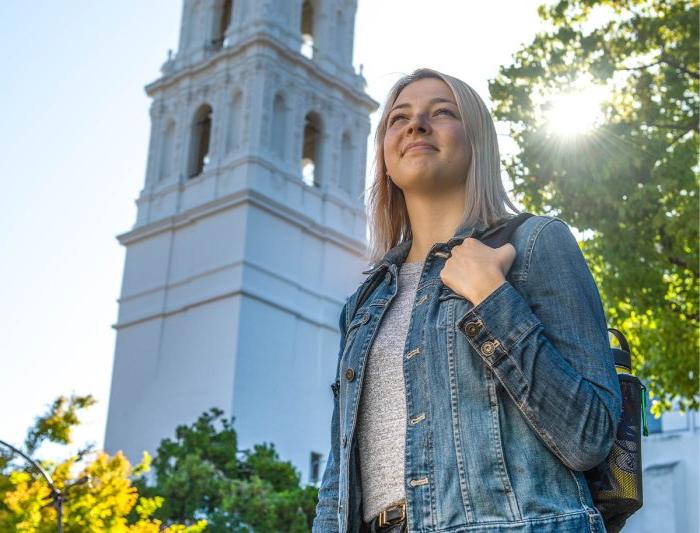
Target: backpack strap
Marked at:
494, 236
502, 232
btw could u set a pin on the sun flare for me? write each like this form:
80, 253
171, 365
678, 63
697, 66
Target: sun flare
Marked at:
575, 112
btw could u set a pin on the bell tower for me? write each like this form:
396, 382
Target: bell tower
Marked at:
250, 229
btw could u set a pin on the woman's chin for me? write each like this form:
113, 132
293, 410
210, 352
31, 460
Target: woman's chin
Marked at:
420, 181
421, 172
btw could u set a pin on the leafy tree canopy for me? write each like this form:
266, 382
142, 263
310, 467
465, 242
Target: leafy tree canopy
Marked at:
202, 474
200, 482
100, 494
631, 180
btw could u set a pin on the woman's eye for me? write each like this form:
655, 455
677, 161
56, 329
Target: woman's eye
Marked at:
445, 109
396, 117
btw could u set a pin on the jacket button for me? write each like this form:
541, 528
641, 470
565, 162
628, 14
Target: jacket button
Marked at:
349, 374
387, 277
472, 328
488, 348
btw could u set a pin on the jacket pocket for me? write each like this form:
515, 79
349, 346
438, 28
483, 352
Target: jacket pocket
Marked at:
361, 318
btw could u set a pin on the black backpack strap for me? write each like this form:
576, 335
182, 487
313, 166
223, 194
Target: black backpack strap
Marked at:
495, 236
502, 232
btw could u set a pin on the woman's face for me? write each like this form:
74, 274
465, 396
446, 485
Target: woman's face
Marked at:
425, 111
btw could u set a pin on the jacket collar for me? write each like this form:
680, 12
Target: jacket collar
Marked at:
397, 255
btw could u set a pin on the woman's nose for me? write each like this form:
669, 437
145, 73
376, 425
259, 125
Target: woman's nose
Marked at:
418, 122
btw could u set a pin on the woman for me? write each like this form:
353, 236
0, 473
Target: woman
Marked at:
474, 385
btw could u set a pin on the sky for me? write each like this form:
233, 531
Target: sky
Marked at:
73, 147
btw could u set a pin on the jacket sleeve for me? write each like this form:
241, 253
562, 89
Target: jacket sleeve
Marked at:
326, 519
549, 347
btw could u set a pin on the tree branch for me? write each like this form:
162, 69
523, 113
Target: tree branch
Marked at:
641, 67
667, 244
680, 135
679, 262
674, 126
667, 59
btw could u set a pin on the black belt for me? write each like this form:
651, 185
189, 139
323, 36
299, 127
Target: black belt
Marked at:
391, 520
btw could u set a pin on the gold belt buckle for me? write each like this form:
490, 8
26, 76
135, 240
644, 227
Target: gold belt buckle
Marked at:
389, 515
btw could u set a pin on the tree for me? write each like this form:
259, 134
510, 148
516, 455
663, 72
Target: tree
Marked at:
632, 181
58, 423
103, 498
199, 474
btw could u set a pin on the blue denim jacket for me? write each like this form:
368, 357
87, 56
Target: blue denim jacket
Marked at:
519, 393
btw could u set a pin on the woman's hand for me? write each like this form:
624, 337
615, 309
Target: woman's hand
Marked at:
475, 270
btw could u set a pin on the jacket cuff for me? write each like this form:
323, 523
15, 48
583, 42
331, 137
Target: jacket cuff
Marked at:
498, 322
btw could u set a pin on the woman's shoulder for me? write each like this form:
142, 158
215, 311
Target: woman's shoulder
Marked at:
542, 238
537, 226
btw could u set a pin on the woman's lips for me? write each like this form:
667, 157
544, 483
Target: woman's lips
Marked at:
420, 147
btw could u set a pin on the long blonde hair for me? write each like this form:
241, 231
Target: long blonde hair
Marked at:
485, 199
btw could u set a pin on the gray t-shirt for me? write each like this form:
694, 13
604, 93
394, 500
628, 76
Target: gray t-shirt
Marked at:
381, 421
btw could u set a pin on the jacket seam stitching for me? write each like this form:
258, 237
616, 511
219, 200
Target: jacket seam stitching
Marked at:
456, 423
524, 408
532, 239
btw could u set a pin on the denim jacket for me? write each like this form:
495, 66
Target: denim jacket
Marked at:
508, 402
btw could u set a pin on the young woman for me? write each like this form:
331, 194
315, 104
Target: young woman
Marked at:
474, 385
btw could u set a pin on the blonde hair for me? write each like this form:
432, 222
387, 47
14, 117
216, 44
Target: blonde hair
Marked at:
485, 199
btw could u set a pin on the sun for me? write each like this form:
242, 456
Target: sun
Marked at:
576, 111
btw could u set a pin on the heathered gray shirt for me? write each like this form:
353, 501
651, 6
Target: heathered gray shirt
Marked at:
381, 421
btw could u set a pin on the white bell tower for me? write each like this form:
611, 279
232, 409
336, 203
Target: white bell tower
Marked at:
250, 230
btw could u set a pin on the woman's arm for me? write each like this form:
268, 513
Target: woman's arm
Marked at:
550, 349
326, 519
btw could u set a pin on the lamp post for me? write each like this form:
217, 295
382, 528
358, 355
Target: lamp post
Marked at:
56, 495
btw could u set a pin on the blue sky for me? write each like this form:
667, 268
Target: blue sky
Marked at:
74, 142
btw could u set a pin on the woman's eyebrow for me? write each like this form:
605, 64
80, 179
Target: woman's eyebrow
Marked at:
433, 101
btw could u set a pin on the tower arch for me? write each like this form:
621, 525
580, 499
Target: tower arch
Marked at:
200, 141
312, 149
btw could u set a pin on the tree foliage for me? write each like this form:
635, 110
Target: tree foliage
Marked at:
632, 182
100, 494
58, 423
200, 481
200, 474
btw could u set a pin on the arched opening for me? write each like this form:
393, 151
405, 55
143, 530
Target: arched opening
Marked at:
200, 137
222, 22
167, 151
315, 471
307, 29
279, 126
311, 150
346, 163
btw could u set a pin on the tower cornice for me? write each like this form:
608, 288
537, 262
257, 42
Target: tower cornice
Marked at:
223, 55
254, 198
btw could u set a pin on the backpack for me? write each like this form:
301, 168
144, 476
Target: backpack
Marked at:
615, 483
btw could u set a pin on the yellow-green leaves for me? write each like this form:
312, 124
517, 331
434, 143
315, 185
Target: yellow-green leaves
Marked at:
633, 179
